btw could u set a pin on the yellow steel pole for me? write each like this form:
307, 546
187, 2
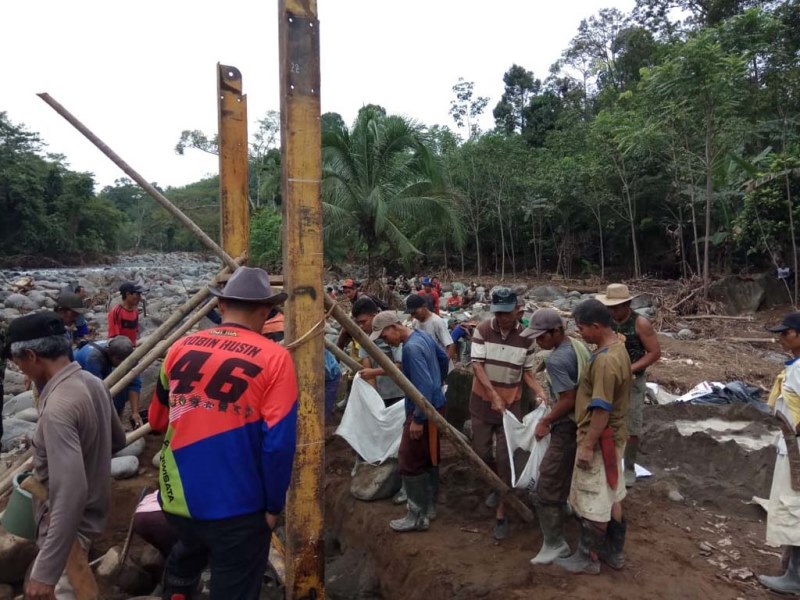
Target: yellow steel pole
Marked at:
301, 163
234, 221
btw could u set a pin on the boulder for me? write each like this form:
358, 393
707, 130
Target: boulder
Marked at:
9, 314
135, 449
124, 467
739, 294
642, 301
685, 334
157, 459
109, 564
150, 559
376, 482
37, 297
546, 293
18, 403
16, 555
31, 415
134, 580
15, 431
20, 302
14, 382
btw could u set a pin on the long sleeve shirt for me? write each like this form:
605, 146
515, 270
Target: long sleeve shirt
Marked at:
75, 436
426, 366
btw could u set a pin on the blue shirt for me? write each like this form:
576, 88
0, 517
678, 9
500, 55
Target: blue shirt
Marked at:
458, 333
426, 365
91, 358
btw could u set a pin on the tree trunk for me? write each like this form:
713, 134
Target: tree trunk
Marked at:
478, 250
698, 268
502, 242
444, 251
709, 196
462, 262
602, 243
637, 271
791, 232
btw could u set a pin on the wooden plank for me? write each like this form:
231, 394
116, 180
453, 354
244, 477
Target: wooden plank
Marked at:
301, 163
234, 208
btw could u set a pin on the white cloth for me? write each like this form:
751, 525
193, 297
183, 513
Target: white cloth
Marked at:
369, 427
783, 510
520, 436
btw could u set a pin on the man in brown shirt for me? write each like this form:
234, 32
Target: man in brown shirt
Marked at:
501, 360
601, 411
77, 432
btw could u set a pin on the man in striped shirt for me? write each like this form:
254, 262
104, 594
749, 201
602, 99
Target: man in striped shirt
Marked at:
501, 360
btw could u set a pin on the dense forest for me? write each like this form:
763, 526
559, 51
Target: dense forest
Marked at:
663, 142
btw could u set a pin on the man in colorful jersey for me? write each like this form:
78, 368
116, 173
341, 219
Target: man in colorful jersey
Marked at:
430, 294
565, 364
643, 349
601, 411
123, 319
425, 365
501, 361
783, 519
227, 399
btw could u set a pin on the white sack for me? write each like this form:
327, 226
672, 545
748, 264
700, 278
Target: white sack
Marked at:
521, 436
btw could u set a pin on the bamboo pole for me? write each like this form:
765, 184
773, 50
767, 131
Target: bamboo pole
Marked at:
163, 330
301, 189
201, 235
460, 444
343, 357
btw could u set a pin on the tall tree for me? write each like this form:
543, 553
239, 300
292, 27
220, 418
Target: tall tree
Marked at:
466, 108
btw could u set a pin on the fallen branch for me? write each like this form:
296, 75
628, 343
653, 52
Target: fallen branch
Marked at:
721, 317
744, 340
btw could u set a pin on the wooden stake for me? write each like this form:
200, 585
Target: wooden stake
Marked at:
343, 357
234, 213
459, 443
301, 163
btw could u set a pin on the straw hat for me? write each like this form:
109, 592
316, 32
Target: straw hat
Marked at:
616, 293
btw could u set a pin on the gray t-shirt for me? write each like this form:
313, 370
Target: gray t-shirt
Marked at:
562, 370
435, 327
386, 386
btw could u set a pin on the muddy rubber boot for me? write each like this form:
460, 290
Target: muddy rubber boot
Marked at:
789, 582
492, 500
551, 520
585, 558
611, 551
416, 519
631, 451
433, 491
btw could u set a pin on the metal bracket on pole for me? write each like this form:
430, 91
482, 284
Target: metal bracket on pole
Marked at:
234, 213
301, 162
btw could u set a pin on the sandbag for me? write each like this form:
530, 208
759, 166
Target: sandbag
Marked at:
371, 429
520, 436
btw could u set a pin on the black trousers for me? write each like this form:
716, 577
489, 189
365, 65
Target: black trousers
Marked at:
237, 548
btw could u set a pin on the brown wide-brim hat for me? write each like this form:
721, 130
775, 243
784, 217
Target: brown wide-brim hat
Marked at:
249, 284
616, 293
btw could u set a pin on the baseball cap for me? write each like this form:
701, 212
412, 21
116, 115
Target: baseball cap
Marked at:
71, 301
542, 321
790, 321
348, 283
129, 287
381, 321
503, 300
414, 302
120, 346
33, 327
426, 281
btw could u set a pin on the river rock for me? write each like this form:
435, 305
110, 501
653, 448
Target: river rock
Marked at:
16, 555
376, 482
685, 334
14, 432
546, 293
108, 564
20, 302
14, 382
135, 449
38, 297
18, 403
9, 314
739, 294
642, 301
124, 467
150, 559
134, 580
31, 415
156, 459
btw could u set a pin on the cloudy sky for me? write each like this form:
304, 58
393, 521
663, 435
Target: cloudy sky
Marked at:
138, 73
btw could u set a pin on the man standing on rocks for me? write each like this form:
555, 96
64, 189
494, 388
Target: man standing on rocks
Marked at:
431, 323
601, 411
123, 319
425, 364
227, 399
783, 521
501, 360
71, 309
643, 349
565, 366
75, 436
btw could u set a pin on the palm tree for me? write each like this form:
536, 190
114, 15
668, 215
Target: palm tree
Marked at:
381, 182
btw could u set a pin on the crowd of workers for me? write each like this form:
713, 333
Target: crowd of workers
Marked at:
226, 402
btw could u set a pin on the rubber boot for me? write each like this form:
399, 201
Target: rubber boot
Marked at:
400, 497
789, 582
585, 558
631, 451
611, 551
175, 588
433, 491
551, 520
418, 491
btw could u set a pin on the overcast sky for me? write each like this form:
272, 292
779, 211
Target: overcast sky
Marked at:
138, 73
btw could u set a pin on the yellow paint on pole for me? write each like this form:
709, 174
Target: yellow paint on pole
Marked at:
234, 213
301, 163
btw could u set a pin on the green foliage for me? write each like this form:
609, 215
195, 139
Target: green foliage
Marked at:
265, 239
